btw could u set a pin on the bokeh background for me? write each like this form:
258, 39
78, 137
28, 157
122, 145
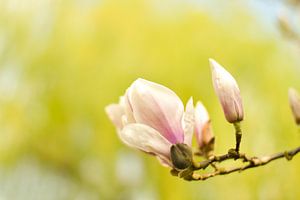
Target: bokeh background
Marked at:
62, 62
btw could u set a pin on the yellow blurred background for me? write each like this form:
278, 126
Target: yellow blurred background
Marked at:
62, 62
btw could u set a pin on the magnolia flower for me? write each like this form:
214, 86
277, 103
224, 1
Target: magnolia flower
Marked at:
294, 100
203, 131
228, 92
151, 117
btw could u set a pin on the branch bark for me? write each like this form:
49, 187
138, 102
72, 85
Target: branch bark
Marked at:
252, 163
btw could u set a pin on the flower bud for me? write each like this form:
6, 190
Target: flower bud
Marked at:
294, 100
285, 24
228, 92
203, 130
181, 156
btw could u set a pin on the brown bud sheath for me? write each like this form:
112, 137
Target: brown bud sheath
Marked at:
181, 156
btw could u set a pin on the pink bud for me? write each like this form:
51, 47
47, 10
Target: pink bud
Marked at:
228, 92
294, 100
203, 131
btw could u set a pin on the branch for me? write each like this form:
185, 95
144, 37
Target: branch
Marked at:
253, 162
232, 154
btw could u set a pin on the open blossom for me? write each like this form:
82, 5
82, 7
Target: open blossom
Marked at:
151, 117
203, 131
228, 92
294, 100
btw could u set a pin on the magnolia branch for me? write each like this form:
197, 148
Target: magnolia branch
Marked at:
252, 163
174, 128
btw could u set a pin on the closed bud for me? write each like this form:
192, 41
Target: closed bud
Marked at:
228, 92
203, 130
294, 100
181, 156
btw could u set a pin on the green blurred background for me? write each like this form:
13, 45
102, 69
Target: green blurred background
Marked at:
62, 62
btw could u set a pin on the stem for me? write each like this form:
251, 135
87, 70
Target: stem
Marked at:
253, 162
238, 136
206, 163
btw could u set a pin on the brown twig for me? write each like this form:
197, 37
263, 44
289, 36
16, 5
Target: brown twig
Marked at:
232, 154
252, 163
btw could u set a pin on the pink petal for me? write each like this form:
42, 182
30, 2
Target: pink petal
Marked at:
202, 123
146, 139
189, 122
159, 108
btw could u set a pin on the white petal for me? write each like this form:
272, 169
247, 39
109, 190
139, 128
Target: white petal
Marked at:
124, 102
201, 114
159, 108
115, 113
164, 162
146, 139
189, 122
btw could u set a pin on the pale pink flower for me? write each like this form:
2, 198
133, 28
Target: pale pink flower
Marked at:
228, 92
294, 100
151, 117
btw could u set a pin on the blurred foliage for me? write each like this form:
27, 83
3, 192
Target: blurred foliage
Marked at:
62, 62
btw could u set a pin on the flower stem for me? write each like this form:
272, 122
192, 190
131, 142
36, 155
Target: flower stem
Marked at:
238, 136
